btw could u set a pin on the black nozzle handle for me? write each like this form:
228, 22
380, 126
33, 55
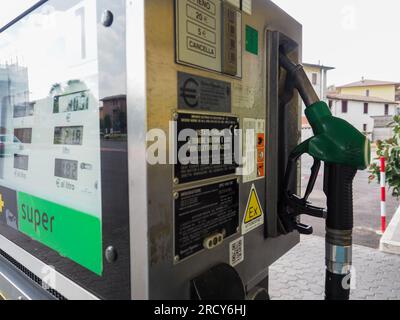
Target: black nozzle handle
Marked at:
338, 187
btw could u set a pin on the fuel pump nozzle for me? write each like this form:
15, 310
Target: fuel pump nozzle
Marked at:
344, 150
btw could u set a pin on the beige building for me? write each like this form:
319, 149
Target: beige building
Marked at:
372, 88
364, 103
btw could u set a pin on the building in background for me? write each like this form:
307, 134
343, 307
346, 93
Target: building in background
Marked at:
383, 128
371, 88
318, 75
369, 105
361, 111
113, 115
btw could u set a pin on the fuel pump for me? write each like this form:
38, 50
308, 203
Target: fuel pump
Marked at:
344, 150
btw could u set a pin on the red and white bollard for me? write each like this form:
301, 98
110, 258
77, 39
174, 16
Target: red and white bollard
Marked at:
383, 194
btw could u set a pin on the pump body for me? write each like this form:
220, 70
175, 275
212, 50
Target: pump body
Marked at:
87, 194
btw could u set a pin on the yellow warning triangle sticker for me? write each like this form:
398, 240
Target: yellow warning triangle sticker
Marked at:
254, 215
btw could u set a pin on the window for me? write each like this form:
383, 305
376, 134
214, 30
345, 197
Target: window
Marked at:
367, 93
365, 108
345, 105
330, 104
365, 128
386, 109
314, 78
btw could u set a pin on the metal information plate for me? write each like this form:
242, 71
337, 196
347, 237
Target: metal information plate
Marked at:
199, 33
203, 94
209, 35
206, 157
202, 212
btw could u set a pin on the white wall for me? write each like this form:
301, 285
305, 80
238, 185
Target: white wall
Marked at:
306, 133
355, 114
319, 86
382, 134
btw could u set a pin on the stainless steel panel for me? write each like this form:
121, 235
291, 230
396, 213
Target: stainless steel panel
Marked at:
167, 280
16, 286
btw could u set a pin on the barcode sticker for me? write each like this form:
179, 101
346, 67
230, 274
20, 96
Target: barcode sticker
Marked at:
236, 252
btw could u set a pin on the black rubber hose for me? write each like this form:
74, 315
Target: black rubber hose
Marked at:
337, 286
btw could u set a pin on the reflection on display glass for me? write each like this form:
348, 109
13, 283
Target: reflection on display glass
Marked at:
21, 162
49, 71
68, 135
71, 102
67, 169
24, 135
24, 110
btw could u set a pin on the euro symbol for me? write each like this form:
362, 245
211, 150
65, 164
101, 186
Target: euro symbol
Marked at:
189, 93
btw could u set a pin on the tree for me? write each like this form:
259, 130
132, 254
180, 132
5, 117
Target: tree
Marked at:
390, 149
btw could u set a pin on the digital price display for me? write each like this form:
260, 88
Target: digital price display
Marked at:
67, 169
24, 135
68, 135
72, 102
21, 162
24, 110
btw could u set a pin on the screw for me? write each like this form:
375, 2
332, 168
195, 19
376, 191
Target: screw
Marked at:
175, 116
177, 259
107, 18
176, 181
111, 254
176, 195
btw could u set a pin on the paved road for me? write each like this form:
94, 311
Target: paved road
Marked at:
300, 274
366, 206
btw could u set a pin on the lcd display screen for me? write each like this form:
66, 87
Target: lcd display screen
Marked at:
68, 135
24, 135
71, 102
24, 110
21, 162
67, 169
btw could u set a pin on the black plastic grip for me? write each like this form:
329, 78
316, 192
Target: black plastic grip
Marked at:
338, 187
337, 287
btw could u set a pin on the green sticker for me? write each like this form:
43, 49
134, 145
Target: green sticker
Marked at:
73, 234
251, 40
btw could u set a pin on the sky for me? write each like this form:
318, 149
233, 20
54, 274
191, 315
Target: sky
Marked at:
12, 8
360, 38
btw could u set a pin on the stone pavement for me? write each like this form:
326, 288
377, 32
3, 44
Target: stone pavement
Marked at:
300, 275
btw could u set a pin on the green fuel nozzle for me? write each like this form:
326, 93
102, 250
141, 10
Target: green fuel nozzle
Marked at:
344, 150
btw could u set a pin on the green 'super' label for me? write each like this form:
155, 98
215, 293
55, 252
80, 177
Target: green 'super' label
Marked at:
73, 234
